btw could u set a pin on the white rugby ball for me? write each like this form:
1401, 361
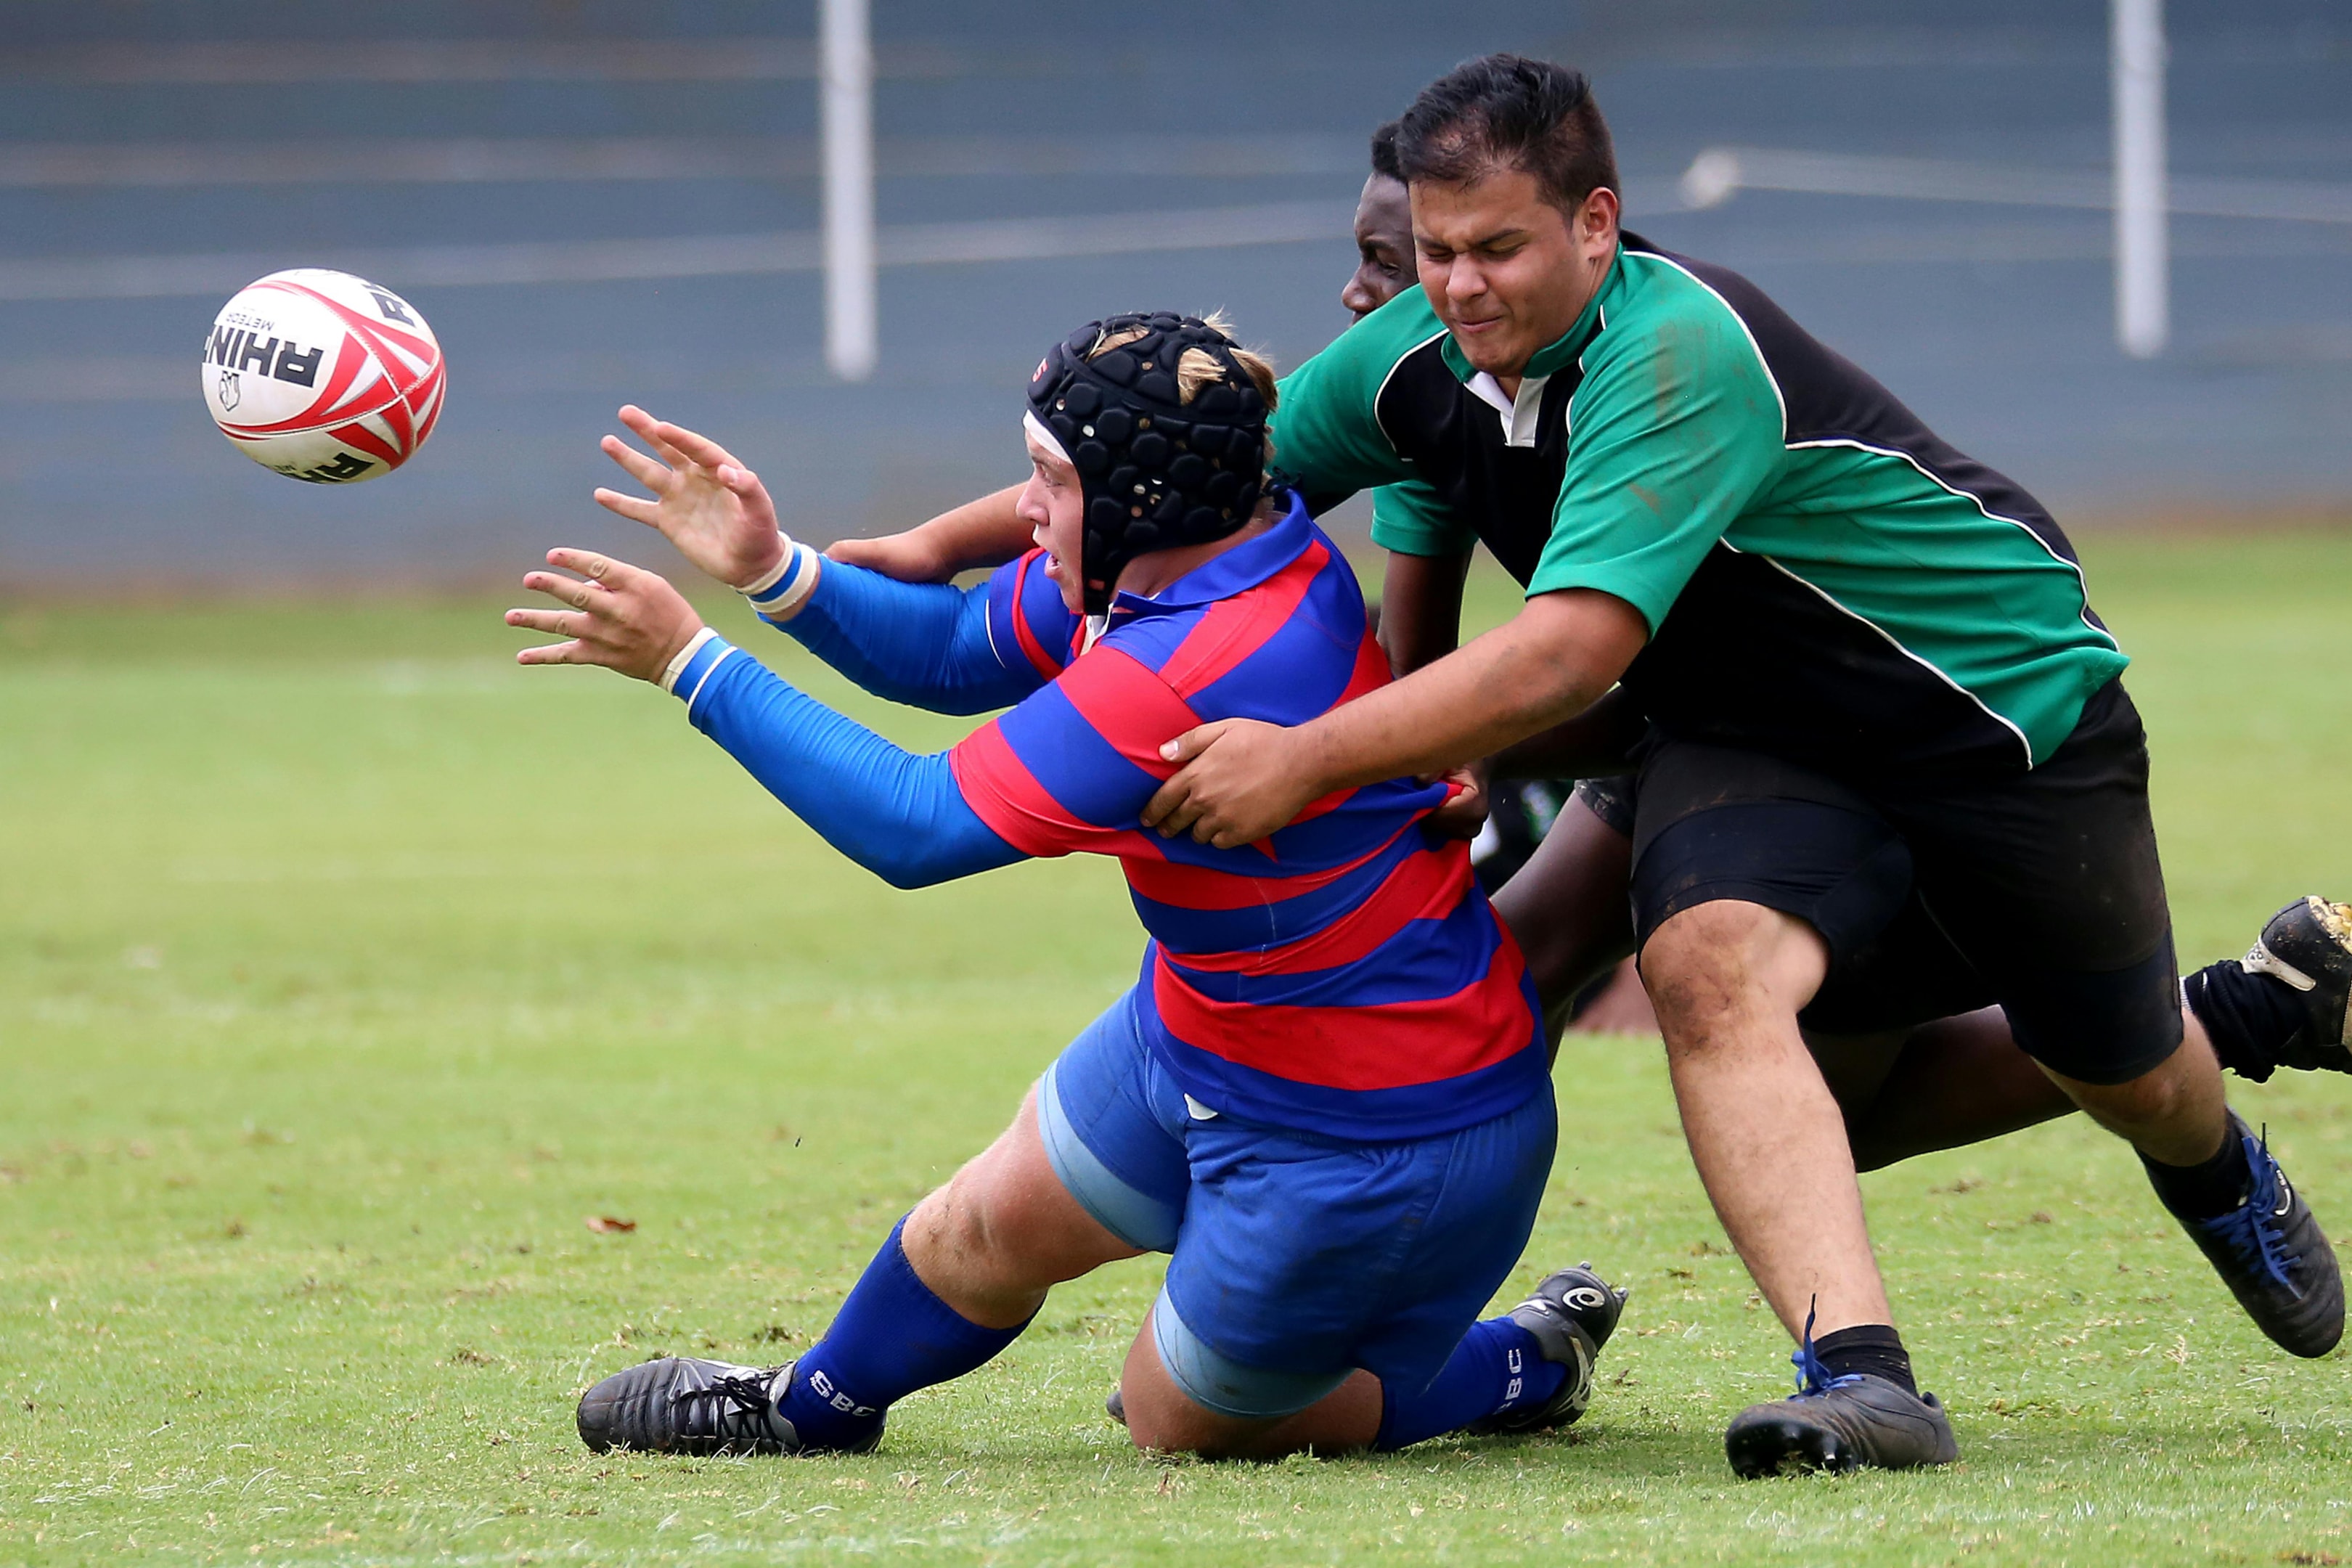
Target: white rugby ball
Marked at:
323, 376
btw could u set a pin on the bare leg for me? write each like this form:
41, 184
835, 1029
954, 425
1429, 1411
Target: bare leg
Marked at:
1943, 1085
1727, 979
2176, 1113
1159, 1417
1004, 1230
1954, 1082
1568, 911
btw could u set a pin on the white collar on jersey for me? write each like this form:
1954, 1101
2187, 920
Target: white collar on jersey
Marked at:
1518, 412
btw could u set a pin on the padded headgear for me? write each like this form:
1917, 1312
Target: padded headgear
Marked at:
1156, 472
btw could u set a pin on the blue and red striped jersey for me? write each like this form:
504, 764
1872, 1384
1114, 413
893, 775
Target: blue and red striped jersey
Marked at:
1346, 976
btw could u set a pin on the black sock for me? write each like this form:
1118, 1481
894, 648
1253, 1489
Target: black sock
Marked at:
1872, 1348
2207, 1190
2251, 1017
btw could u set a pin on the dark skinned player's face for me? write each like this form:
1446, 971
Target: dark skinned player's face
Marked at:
1384, 267
1506, 271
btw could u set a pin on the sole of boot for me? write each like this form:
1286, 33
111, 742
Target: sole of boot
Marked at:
1775, 1446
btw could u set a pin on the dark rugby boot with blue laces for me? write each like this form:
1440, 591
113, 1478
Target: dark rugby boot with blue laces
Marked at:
1571, 1315
2274, 1258
1838, 1424
2308, 947
680, 1404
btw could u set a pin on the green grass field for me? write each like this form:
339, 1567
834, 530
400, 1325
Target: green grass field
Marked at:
346, 972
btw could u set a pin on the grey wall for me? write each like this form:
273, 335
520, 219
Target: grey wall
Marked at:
118, 122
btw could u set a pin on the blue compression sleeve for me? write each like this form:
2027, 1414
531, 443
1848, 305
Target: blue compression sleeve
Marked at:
900, 815
923, 644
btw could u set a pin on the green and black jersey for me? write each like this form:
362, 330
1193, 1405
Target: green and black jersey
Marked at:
1824, 579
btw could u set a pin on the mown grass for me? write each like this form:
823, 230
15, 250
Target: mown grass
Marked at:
347, 971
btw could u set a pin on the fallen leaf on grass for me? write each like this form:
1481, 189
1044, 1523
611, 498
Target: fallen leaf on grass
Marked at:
606, 1224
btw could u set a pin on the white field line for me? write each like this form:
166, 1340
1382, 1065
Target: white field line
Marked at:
475, 159
710, 256
463, 60
1719, 173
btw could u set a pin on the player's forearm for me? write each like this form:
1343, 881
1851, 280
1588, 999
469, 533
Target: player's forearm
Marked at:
1420, 609
900, 815
1544, 666
1595, 743
983, 532
923, 644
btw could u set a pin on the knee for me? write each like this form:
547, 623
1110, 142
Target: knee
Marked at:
2153, 1099
1726, 959
966, 1219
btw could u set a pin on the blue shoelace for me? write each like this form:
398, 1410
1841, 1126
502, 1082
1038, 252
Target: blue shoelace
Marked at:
1812, 1376
2252, 1229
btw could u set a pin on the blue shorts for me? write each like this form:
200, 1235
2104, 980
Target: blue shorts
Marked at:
1297, 1258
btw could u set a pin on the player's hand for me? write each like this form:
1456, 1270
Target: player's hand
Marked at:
619, 616
1241, 779
905, 556
711, 507
1464, 813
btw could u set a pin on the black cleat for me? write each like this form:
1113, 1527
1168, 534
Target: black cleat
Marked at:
2273, 1256
1838, 1424
1845, 1424
2309, 946
1116, 1407
679, 1404
1571, 1316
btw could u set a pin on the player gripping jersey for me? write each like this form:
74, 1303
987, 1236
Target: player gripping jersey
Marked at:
1326, 1094
1892, 773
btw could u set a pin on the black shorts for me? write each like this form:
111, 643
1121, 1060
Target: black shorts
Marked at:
2038, 891
1610, 799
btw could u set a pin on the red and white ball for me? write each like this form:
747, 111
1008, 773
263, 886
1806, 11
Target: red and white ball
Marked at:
323, 376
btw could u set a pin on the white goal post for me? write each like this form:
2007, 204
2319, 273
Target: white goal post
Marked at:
846, 97
2143, 260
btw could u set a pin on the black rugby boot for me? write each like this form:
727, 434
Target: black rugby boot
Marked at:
1838, 1424
2273, 1256
1571, 1315
680, 1404
2309, 946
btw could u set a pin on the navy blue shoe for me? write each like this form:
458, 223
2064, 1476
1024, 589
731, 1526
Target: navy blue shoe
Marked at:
2273, 1256
1845, 1423
1571, 1315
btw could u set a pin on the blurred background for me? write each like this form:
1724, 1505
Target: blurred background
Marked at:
595, 202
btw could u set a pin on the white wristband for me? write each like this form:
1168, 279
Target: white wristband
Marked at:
677, 667
779, 592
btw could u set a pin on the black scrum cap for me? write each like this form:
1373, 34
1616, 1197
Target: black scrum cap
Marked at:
1155, 472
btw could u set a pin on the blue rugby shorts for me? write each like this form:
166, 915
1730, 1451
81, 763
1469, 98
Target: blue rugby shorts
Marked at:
1297, 1257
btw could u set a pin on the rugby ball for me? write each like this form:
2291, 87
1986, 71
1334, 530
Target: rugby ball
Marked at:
325, 377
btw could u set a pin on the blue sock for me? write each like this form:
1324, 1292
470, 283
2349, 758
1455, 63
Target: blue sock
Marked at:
1497, 1366
891, 1337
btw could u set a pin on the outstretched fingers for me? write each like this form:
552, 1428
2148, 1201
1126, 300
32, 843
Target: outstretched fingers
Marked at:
556, 623
572, 652
636, 509
690, 445
598, 568
652, 432
615, 615
654, 476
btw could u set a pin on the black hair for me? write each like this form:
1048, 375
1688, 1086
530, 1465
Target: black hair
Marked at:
1384, 154
1514, 112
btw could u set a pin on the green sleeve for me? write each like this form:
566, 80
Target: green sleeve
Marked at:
1325, 433
1410, 517
1670, 434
